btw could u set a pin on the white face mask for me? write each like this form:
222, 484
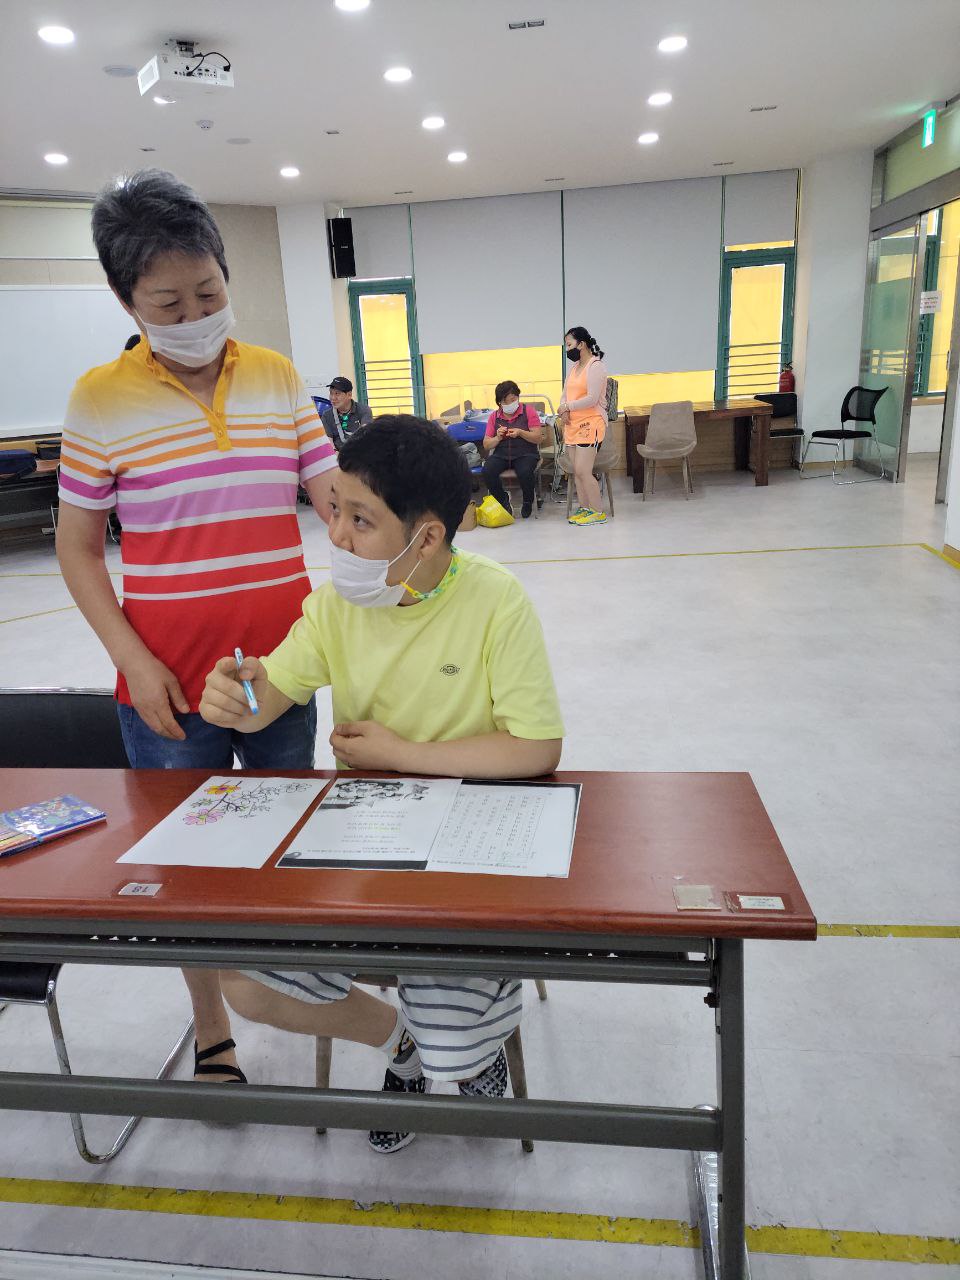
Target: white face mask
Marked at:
193, 343
364, 582
508, 410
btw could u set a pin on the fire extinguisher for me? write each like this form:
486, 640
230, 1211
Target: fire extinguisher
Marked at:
787, 381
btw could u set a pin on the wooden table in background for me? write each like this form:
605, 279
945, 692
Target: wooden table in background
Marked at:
745, 415
614, 919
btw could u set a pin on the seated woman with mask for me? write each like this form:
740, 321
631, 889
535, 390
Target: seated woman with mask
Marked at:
512, 440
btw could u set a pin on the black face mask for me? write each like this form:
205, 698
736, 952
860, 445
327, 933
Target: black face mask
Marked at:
573, 353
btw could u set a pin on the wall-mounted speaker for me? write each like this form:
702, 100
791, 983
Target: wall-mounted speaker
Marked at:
340, 239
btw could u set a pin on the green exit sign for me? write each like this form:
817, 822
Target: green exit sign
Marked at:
929, 127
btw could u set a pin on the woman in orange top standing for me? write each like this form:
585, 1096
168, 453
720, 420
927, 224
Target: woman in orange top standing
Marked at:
583, 412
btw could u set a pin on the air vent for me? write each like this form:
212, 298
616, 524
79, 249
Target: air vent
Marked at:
553, 179
403, 193
721, 164
773, 108
332, 133
526, 23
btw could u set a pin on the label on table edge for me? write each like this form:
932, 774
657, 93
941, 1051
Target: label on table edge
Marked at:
139, 889
695, 897
756, 902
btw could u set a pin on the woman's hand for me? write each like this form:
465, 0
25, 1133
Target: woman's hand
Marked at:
501, 432
512, 433
368, 745
156, 694
564, 409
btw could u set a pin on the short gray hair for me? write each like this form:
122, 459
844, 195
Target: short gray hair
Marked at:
144, 214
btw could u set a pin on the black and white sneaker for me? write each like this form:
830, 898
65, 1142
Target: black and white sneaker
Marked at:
491, 1083
403, 1075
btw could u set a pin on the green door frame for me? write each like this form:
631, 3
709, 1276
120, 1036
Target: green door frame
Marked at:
753, 258
931, 268
357, 289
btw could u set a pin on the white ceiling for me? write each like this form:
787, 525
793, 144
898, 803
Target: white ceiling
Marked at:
565, 100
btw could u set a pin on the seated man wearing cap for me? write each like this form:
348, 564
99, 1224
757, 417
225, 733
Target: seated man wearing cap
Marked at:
346, 416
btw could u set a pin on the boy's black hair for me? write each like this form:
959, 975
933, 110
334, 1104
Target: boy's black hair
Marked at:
504, 389
413, 465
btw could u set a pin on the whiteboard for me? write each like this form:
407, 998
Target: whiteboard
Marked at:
49, 336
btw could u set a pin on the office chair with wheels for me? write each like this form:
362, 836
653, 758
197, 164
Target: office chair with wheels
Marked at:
63, 729
859, 405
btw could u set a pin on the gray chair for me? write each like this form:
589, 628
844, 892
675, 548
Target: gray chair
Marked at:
671, 435
513, 1048
62, 729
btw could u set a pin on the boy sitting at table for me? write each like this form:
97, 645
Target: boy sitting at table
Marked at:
437, 665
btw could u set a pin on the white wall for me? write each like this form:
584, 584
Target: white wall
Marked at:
831, 277
309, 289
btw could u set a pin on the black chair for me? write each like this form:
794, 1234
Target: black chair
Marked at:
784, 406
62, 729
859, 405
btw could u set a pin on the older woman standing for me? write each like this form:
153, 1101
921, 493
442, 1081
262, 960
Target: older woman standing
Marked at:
583, 412
199, 442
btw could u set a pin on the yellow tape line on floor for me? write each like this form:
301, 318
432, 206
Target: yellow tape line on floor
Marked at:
888, 931
527, 1223
940, 556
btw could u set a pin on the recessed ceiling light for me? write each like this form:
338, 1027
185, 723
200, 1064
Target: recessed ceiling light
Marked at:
397, 75
554, 179
55, 157
457, 157
161, 101
332, 133
646, 139
289, 171
721, 164
148, 148
352, 6
672, 44
238, 142
659, 99
433, 122
773, 108
121, 70
404, 193
56, 35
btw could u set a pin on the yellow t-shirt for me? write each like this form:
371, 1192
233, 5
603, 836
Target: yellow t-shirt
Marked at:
468, 661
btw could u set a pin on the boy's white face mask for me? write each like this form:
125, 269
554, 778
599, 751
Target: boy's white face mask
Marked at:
364, 582
193, 343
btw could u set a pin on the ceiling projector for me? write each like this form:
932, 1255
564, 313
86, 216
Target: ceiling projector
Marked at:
180, 68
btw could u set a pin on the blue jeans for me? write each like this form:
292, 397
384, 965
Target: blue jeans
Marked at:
288, 743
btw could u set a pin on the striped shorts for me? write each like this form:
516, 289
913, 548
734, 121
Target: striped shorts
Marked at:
459, 1023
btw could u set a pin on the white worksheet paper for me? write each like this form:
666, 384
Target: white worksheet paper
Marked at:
508, 831
228, 822
374, 822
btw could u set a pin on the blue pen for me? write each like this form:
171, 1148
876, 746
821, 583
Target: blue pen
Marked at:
247, 686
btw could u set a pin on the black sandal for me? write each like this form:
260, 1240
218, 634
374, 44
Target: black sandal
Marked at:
201, 1067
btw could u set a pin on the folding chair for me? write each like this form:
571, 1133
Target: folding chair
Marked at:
62, 729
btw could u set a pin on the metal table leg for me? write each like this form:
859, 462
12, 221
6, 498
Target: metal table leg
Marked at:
720, 1180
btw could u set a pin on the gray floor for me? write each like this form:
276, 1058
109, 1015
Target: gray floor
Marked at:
830, 674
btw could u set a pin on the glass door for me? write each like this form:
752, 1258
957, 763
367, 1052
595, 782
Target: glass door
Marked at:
385, 347
756, 321
891, 322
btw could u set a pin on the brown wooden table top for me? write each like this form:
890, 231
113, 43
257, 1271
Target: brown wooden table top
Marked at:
638, 835
706, 409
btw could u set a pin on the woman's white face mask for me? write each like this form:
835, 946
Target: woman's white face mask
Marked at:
364, 582
194, 343
509, 408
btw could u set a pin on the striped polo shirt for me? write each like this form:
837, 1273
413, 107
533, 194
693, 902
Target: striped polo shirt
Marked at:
207, 498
